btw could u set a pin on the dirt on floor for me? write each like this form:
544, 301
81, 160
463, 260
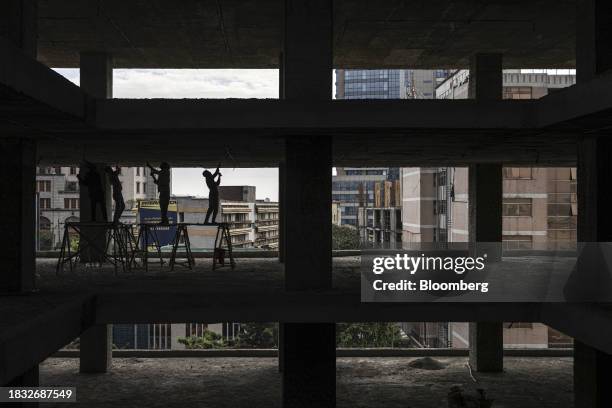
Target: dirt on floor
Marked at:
361, 382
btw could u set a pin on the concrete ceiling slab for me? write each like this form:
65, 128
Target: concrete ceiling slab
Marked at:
367, 34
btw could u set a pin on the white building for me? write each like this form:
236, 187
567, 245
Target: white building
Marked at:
58, 199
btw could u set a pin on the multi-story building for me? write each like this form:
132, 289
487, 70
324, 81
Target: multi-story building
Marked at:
58, 198
539, 208
266, 224
388, 83
253, 223
354, 187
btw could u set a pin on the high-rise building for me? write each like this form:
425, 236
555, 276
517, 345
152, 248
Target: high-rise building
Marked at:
354, 187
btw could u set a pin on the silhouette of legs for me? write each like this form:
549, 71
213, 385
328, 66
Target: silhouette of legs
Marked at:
208, 213
164, 200
119, 208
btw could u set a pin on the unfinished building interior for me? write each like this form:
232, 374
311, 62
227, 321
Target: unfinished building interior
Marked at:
45, 119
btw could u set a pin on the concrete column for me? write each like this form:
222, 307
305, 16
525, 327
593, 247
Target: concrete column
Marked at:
281, 211
96, 71
308, 350
308, 262
309, 372
97, 74
96, 349
485, 77
592, 368
30, 378
18, 202
19, 23
593, 38
592, 377
485, 212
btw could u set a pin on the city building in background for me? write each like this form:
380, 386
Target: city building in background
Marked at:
253, 223
166, 336
58, 202
354, 187
381, 225
539, 210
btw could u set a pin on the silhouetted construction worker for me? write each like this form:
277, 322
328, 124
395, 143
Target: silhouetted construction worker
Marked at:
213, 193
95, 190
113, 176
161, 177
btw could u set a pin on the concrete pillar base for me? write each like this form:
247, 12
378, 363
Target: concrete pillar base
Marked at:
592, 377
487, 347
309, 365
96, 349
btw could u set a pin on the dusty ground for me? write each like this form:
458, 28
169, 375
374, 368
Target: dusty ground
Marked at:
255, 382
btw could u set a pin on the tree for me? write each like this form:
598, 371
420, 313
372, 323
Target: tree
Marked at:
344, 237
258, 335
208, 340
45, 238
367, 334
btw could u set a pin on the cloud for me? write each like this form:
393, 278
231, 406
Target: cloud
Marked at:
200, 83
190, 83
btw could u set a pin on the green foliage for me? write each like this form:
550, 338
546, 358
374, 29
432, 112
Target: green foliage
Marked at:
257, 335
367, 334
344, 237
45, 240
74, 243
208, 340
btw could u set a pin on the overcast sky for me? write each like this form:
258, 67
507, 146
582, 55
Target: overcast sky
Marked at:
204, 83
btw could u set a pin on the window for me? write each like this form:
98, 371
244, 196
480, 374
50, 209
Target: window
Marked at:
517, 92
71, 203
144, 188
513, 242
43, 186
138, 187
518, 173
517, 207
138, 171
58, 170
73, 171
45, 203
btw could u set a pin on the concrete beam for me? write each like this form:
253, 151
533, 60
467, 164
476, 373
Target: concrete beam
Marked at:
18, 198
178, 306
27, 77
307, 115
22, 320
432, 147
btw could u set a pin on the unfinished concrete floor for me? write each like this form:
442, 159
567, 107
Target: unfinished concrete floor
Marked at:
255, 382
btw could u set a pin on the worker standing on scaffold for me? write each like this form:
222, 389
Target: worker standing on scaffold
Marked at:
161, 177
213, 194
113, 175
